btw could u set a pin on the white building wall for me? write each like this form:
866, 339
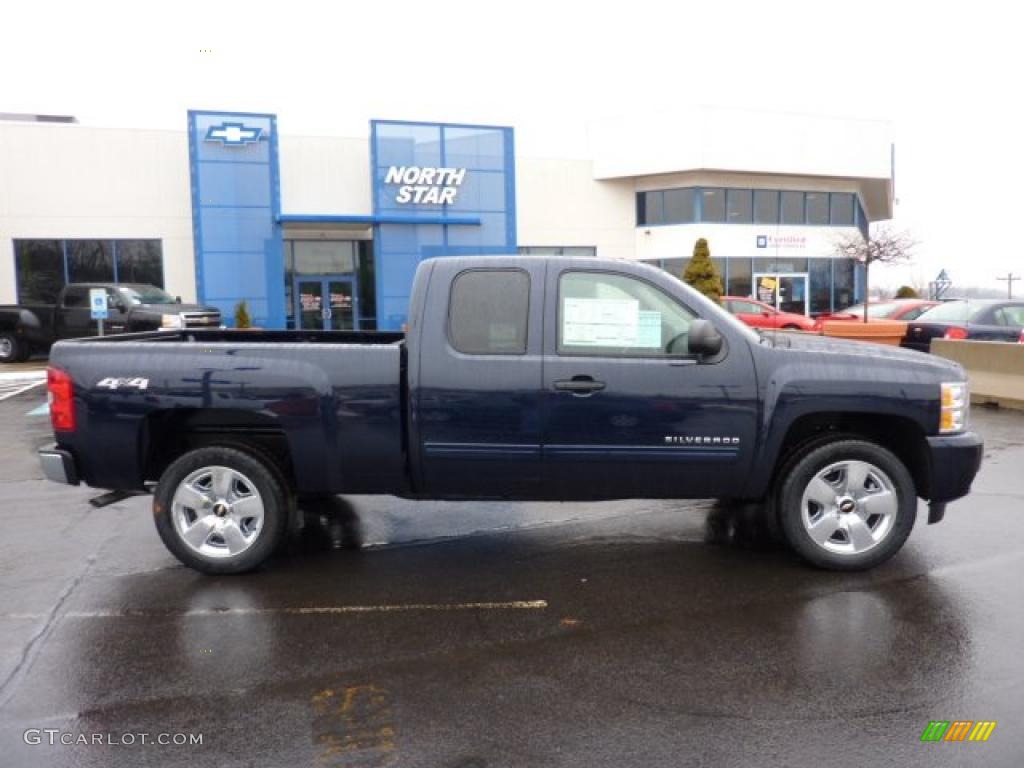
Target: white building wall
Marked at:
325, 175
73, 181
559, 203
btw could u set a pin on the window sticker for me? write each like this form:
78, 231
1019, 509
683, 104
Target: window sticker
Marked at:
649, 331
600, 322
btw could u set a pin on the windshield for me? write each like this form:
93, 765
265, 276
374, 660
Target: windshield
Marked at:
877, 311
952, 312
146, 294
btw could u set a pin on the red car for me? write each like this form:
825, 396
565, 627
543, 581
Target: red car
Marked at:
759, 315
903, 310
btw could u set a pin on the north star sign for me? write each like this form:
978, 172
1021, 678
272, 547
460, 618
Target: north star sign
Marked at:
425, 186
234, 134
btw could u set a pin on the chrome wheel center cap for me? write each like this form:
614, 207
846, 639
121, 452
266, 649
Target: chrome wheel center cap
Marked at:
220, 509
847, 505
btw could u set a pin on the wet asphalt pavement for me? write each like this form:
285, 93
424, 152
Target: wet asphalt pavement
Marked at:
471, 635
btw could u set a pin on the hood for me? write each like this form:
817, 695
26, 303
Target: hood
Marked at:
846, 348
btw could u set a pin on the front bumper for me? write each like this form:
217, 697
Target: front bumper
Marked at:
59, 466
953, 460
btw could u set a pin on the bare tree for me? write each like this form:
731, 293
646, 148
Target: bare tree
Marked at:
882, 247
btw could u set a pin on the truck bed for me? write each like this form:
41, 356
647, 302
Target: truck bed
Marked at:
336, 397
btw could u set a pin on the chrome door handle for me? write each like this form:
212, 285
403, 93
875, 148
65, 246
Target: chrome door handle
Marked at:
579, 385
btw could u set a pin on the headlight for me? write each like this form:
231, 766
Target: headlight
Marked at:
956, 405
172, 322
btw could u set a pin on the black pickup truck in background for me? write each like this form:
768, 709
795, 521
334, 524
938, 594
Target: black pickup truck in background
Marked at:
27, 328
519, 378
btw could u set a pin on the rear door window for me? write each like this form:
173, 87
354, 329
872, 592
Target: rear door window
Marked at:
76, 298
488, 312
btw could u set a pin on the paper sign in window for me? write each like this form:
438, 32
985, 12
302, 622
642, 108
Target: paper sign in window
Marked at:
649, 330
600, 322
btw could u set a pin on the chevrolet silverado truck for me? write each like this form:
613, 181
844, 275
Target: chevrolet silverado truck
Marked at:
519, 378
132, 307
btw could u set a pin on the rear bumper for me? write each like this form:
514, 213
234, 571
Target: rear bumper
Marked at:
954, 461
59, 466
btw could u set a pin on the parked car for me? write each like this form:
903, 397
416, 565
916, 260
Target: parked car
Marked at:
757, 314
544, 378
903, 310
132, 307
979, 319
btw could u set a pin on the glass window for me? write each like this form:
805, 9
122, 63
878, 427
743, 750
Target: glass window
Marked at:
817, 207
952, 312
678, 206
720, 266
488, 311
608, 314
90, 261
739, 206
843, 285
713, 201
820, 274
780, 265
841, 209
40, 270
367, 286
76, 296
766, 206
916, 312
324, 257
146, 294
739, 277
1012, 316
140, 261
746, 307
650, 208
792, 207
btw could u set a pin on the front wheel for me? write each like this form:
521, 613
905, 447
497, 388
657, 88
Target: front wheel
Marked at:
847, 505
220, 510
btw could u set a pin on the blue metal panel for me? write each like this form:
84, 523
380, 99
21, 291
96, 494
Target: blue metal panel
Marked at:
480, 220
236, 204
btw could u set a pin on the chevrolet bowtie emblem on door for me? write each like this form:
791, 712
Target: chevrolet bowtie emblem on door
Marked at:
234, 134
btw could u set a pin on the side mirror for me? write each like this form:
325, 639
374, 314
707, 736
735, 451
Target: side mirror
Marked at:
704, 340
121, 306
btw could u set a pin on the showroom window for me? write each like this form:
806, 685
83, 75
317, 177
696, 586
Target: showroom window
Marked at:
558, 250
745, 206
44, 267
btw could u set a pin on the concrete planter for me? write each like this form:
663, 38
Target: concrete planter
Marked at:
879, 331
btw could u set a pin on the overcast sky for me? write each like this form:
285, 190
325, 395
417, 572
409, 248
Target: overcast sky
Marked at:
947, 76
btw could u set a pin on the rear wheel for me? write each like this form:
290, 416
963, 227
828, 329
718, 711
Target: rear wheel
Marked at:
12, 349
221, 510
847, 505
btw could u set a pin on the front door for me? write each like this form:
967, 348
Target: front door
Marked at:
787, 293
326, 304
629, 411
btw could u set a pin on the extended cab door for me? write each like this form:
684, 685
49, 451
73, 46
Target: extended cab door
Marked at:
629, 411
477, 390
73, 318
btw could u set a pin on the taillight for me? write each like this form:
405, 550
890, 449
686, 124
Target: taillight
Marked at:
61, 391
955, 333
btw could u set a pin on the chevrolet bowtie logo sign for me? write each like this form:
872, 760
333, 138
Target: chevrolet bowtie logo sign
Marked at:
234, 134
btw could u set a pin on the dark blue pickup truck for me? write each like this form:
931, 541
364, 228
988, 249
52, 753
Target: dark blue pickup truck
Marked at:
519, 378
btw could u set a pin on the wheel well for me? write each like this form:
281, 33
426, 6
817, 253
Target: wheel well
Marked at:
899, 434
167, 435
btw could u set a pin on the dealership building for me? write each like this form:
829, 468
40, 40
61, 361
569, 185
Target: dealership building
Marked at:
327, 231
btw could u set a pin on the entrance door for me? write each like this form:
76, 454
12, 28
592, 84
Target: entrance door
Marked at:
787, 293
326, 303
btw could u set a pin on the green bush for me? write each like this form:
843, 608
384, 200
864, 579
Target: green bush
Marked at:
906, 292
242, 319
701, 272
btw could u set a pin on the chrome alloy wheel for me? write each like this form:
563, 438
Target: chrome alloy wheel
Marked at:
6, 347
217, 512
849, 507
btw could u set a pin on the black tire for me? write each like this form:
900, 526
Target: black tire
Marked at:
267, 487
12, 349
807, 465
